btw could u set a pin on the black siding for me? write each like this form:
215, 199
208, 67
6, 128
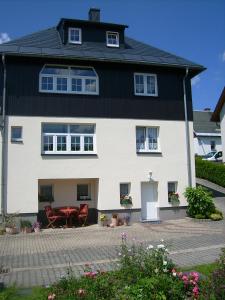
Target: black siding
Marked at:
116, 98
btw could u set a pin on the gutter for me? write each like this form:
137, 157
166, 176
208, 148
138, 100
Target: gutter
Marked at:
187, 130
2, 127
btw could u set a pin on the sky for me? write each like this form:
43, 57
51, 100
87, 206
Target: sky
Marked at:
193, 29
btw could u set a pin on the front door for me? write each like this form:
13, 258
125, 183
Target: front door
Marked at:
149, 201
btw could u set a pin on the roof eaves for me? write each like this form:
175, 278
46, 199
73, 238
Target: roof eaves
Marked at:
219, 106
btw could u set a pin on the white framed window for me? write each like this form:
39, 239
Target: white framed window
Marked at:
68, 138
124, 189
145, 84
75, 36
68, 79
172, 189
83, 192
147, 139
16, 134
112, 39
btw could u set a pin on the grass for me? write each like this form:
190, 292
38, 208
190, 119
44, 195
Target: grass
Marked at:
205, 269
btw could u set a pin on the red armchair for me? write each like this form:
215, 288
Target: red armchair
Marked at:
53, 216
83, 214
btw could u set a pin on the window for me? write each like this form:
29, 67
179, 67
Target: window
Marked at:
83, 192
147, 139
46, 193
145, 84
68, 138
213, 145
172, 189
112, 39
71, 80
124, 189
75, 36
16, 134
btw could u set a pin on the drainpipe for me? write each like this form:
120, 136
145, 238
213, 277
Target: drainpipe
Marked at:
3, 140
187, 130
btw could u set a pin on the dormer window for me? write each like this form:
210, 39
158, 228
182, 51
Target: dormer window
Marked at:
112, 39
75, 36
72, 80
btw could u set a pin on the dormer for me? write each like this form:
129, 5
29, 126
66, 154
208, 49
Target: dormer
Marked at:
78, 32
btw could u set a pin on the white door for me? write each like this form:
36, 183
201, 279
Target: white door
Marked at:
149, 197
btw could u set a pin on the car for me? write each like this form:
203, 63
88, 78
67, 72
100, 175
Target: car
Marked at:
213, 156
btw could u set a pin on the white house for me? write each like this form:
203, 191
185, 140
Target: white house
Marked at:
90, 115
207, 134
219, 116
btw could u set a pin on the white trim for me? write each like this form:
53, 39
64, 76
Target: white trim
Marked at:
69, 80
207, 134
117, 39
80, 35
145, 84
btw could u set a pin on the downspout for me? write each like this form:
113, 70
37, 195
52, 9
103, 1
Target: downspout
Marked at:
3, 140
187, 130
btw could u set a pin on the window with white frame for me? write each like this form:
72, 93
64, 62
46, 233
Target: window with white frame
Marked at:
83, 192
68, 138
145, 84
172, 189
16, 134
112, 39
75, 36
72, 80
147, 139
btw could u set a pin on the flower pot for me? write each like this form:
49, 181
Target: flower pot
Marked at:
26, 229
11, 230
114, 222
37, 230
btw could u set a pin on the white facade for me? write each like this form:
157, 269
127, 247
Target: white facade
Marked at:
222, 124
203, 143
116, 162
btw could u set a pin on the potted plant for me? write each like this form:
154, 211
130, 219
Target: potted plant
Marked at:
2, 230
174, 199
126, 219
36, 227
25, 226
126, 200
103, 219
114, 220
10, 225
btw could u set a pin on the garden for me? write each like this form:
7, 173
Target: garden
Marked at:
143, 272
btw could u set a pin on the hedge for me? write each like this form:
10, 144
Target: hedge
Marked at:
214, 172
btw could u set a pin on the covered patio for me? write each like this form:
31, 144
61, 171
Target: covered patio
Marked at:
67, 197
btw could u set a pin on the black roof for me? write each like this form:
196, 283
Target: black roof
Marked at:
202, 122
48, 43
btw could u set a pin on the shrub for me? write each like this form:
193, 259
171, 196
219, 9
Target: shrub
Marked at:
219, 212
218, 278
200, 202
216, 217
211, 171
200, 216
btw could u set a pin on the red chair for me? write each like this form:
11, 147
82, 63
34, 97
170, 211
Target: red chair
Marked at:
83, 214
53, 216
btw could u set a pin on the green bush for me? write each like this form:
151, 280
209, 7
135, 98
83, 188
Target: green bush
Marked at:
200, 202
211, 171
219, 212
199, 216
216, 217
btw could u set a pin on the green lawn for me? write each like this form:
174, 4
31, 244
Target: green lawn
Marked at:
205, 269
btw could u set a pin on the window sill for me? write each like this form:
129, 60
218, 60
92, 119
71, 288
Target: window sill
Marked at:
149, 152
17, 141
69, 154
146, 95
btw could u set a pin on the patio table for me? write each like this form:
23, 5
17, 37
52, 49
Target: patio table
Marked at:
68, 211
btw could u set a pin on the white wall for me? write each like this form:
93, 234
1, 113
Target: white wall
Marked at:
116, 161
222, 125
202, 144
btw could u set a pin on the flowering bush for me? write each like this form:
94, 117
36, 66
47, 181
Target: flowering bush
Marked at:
125, 200
218, 278
174, 198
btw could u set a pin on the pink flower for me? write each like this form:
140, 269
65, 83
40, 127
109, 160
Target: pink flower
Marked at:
81, 292
195, 291
51, 296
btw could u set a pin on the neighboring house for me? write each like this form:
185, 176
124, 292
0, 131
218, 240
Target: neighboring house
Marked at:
219, 116
92, 115
207, 134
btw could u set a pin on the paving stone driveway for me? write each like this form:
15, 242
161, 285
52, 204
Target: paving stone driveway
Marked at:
41, 259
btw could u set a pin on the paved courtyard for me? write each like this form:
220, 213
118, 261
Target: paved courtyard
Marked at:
41, 259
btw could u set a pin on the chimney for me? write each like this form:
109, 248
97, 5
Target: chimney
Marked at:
94, 14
